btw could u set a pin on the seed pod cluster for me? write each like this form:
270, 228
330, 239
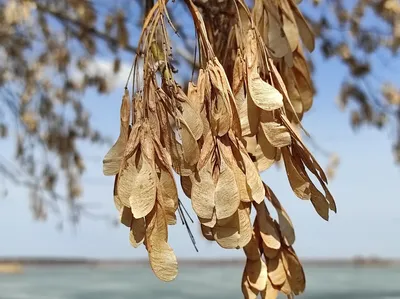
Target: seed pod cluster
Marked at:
144, 191
272, 265
238, 118
284, 31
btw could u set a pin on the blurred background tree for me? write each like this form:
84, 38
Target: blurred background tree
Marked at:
48, 49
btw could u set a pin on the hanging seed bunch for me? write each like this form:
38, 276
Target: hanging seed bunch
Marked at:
241, 115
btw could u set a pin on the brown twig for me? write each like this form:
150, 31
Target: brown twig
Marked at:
89, 29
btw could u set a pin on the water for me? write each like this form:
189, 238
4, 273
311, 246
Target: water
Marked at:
192, 283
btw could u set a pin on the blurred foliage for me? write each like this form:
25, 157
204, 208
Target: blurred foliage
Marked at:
365, 36
46, 47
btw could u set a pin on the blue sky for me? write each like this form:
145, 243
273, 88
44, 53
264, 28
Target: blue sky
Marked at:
366, 189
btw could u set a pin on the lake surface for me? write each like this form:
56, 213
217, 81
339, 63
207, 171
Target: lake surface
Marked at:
344, 282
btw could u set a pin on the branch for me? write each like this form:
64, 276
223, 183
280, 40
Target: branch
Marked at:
90, 29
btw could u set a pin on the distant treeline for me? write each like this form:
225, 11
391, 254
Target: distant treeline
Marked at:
48, 261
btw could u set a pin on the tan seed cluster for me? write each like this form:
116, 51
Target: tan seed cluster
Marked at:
238, 118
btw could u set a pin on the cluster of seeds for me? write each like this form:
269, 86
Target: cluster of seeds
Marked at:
240, 117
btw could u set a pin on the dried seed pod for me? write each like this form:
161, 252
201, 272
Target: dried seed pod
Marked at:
117, 200
168, 196
252, 248
264, 95
126, 176
276, 134
285, 224
254, 182
163, 261
143, 185
277, 41
248, 291
270, 292
300, 185
126, 216
203, 192
227, 232
138, 232
257, 274
192, 119
186, 184
190, 147
193, 95
261, 151
209, 222
268, 231
112, 160
243, 111
276, 271
245, 228
295, 277
227, 196
306, 34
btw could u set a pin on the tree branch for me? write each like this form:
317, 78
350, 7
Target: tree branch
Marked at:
90, 29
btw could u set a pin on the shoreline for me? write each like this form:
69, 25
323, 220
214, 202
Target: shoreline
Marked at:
33, 261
